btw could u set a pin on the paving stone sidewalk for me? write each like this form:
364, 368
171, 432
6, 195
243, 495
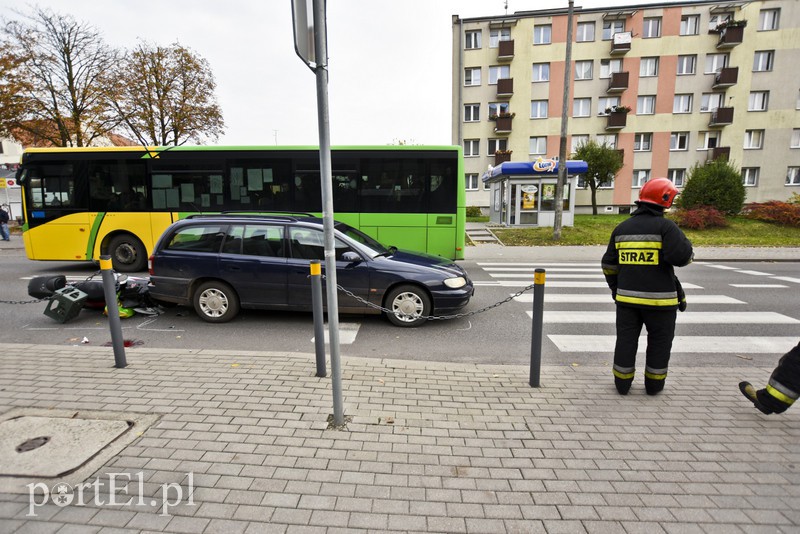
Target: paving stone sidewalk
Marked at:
428, 448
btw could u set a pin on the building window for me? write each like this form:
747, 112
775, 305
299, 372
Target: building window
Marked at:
538, 146
642, 142
717, 19
472, 39
762, 60
640, 177
539, 109
472, 112
496, 145
690, 24
610, 27
583, 70
646, 105
793, 176
679, 141
606, 102
711, 101
471, 147
498, 72
542, 34
768, 19
496, 108
753, 139
541, 72
686, 65
682, 104
750, 176
710, 140
651, 27
758, 101
578, 141
471, 182
715, 62
677, 176
609, 66
584, 32
605, 184
795, 142
500, 34
581, 107
648, 67
472, 76
609, 140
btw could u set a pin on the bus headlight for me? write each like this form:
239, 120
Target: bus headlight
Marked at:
455, 283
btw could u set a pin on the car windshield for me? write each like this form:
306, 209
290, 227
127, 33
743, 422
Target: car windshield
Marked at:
375, 248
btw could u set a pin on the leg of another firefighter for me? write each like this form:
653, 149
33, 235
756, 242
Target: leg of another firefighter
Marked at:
629, 326
783, 387
660, 333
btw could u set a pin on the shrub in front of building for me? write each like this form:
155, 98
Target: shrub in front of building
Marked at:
717, 184
774, 211
699, 218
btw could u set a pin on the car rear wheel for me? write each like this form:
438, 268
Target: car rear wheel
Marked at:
216, 302
127, 254
410, 305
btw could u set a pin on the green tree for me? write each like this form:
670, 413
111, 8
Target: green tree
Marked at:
165, 96
603, 163
717, 184
62, 80
13, 89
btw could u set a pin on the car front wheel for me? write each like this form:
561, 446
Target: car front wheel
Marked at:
410, 306
216, 302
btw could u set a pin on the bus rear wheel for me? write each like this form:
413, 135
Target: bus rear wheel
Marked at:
128, 254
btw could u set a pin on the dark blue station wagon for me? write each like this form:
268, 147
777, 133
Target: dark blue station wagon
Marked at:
221, 263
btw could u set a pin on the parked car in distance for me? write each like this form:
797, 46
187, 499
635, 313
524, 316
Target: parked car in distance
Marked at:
221, 263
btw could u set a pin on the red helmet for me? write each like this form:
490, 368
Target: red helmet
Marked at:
658, 191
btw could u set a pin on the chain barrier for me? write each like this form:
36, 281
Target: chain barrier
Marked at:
22, 301
437, 317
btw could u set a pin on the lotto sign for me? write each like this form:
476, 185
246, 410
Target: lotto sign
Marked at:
2, 183
10, 182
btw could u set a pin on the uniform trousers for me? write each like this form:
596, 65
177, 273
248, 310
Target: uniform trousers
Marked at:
660, 326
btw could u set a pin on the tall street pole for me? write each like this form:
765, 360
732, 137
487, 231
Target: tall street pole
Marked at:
561, 181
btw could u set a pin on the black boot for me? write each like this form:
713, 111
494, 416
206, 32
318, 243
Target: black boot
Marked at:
623, 385
750, 392
653, 386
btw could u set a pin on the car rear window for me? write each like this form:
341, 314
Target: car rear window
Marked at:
197, 238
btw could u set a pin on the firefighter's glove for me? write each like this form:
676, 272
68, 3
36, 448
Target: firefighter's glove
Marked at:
682, 305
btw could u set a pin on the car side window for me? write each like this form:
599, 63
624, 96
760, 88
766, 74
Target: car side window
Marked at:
263, 240
309, 244
233, 240
197, 238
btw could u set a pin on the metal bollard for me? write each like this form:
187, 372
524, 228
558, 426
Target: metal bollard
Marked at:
110, 292
536, 337
319, 320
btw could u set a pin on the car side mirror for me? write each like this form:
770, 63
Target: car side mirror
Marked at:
351, 257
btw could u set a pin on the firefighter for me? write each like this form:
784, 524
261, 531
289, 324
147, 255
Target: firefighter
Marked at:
638, 265
783, 387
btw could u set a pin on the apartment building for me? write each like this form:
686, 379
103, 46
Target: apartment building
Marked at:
670, 85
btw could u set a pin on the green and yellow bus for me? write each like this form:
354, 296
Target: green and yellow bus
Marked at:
81, 203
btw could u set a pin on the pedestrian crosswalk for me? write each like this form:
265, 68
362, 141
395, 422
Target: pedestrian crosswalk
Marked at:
578, 305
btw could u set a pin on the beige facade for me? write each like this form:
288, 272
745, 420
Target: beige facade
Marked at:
698, 83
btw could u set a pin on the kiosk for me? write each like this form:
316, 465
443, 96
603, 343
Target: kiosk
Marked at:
524, 193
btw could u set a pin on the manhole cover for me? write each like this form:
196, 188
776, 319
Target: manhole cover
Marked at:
32, 444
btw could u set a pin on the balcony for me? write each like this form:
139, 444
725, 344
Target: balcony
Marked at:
505, 51
503, 125
618, 82
500, 157
616, 120
726, 77
505, 87
719, 152
730, 36
621, 43
721, 117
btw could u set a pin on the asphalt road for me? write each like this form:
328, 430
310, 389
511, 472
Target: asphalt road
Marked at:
500, 335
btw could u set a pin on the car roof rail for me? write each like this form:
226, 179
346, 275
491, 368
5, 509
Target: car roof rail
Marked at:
268, 212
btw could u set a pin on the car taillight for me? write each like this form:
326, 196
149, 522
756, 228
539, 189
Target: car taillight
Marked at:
150, 265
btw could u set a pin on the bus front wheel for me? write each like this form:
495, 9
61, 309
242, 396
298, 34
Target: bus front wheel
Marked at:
128, 254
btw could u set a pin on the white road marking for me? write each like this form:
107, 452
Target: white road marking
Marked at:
347, 333
593, 298
690, 317
690, 344
766, 286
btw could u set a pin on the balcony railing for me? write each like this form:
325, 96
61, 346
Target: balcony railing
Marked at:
500, 157
721, 117
616, 120
720, 152
505, 50
505, 87
726, 77
503, 125
730, 36
621, 43
618, 82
